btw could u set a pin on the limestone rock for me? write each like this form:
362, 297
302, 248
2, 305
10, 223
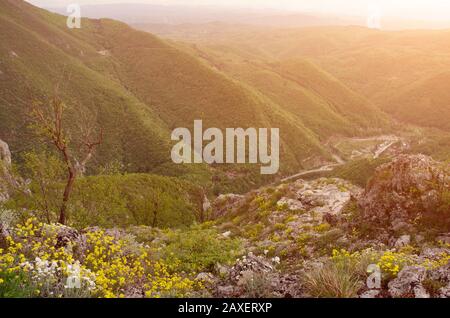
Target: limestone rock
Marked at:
323, 196
403, 241
291, 204
207, 278
5, 153
371, 293
409, 283
226, 203
326, 195
225, 291
206, 204
404, 190
5, 163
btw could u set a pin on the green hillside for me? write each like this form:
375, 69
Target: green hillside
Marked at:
314, 97
140, 87
401, 72
33, 61
425, 102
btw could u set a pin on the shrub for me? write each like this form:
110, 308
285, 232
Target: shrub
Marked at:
107, 267
322, 228
15, 284
199, 249
391, 263
258, 285
114, 200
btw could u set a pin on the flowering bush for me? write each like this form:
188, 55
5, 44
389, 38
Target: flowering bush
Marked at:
106, 267
391, 263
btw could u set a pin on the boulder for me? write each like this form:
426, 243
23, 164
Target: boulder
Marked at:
251, 263
371, 293
326, 195
225, 291
226, 203
5, 163
408, 188
409, 283
4, 233
206, 278
440, 274
67, 237
7, 180
206, 204
403, 241
5, 154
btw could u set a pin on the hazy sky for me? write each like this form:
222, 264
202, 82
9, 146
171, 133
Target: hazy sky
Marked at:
407, 9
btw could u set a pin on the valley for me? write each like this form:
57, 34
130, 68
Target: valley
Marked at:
95, 126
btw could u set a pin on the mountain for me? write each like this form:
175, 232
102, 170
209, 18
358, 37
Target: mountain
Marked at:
401, 72
425, 102
176, 14
36, 53
141, 87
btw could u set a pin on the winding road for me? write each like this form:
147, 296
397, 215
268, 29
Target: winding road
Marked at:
392, 140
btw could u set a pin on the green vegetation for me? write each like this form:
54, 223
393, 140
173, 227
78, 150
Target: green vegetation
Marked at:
199, 249
15, 285
135, 199
405, 75
138, 92
107, 200
138, 225
359, 171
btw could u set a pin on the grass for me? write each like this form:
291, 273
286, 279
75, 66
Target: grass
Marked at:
341, 276
332, 281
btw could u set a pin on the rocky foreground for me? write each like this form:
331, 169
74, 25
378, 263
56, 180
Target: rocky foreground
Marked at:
320, 238
398, 227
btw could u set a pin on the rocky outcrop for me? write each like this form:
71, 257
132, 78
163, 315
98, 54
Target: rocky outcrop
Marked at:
409, 283
255, 277
326, 197
5, 163
442, 275
226, 203
68, 238
406, 189
5, 154
4, 233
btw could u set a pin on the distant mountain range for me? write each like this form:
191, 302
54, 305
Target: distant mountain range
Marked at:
179, 14
141, 87
404, 73
170, 15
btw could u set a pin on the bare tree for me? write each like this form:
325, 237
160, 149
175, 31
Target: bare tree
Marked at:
48, 120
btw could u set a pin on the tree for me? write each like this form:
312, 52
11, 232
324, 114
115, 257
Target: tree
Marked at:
48, 122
